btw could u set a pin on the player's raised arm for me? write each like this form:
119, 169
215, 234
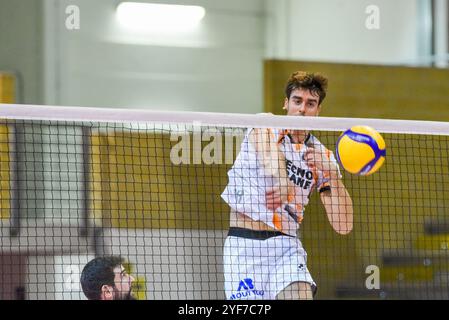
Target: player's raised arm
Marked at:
272, 161
335, 197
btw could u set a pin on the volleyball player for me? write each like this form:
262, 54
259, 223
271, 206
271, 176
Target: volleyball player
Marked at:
263, 257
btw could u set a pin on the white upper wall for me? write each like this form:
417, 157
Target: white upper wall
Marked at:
20, 47
217, 68
335, 31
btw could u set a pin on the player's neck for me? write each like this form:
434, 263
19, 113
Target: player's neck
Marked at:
298, 136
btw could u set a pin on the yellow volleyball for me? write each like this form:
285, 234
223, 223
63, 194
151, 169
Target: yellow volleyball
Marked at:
361, 150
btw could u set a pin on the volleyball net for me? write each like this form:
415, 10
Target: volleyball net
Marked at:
79, 183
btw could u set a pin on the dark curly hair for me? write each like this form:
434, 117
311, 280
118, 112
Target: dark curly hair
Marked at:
315, 82
97, 273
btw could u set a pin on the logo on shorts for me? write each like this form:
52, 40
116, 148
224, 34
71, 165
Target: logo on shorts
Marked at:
301, 267
246, 289
246, 284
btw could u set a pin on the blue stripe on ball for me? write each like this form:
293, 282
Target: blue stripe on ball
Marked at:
336, 149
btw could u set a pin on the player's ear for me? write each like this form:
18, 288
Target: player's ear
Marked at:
285, 104
106, 292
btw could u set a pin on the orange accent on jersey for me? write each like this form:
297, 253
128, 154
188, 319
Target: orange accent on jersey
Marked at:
277, 221
282, 134
315, 174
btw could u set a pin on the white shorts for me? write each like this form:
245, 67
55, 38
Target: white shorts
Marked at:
260, 269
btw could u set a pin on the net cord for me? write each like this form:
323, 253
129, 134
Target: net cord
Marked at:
236, 120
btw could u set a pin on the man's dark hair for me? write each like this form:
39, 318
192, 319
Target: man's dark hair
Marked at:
97, 273
315, 82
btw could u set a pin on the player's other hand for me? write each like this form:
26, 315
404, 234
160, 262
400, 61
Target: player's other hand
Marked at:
273, 198
317, 158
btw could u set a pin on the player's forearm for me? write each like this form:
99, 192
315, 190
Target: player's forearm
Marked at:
339, 208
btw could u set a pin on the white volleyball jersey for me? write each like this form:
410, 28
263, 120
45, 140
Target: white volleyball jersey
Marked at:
248, 182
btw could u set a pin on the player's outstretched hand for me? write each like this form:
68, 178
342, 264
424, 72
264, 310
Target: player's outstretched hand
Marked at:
317, 158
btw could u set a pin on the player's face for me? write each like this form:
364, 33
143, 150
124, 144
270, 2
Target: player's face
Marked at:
302, 102
123, 282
